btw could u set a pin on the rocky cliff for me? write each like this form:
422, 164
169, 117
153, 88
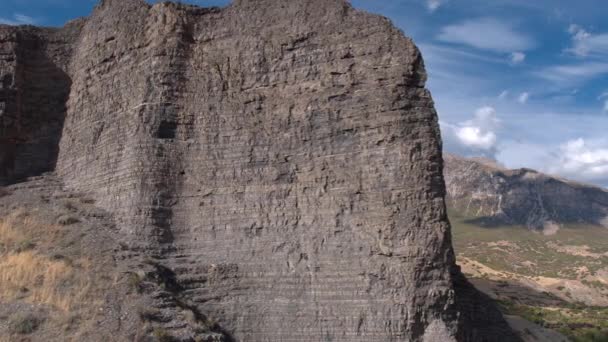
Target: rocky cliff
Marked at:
277, 162
497, 196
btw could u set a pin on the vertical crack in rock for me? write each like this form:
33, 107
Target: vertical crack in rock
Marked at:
281, 160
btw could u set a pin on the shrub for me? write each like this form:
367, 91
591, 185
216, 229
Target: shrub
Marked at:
43, 277
24, 324
150, 314
24, 246
135, 282
161, 335
67, 220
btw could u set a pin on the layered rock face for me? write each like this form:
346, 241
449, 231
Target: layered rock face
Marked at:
34, 87
282, 158
499, 196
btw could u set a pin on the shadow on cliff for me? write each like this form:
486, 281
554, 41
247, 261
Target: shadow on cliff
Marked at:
168, 280
479, 314
513, 291
31, 122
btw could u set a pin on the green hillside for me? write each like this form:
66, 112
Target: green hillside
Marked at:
558, 281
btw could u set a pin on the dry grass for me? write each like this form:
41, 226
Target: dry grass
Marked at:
18, 229
34, 277
41, 280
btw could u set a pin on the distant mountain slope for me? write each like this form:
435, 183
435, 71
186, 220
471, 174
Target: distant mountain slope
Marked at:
557, 280
493, 195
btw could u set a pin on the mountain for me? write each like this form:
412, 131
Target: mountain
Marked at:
493, 195
267, 171
535, 243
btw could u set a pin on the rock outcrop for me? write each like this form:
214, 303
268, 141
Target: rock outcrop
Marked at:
34, 88
279, 161
494, 195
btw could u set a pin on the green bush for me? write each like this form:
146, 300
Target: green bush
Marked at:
593, 335
135, 282
161, 335
24, 324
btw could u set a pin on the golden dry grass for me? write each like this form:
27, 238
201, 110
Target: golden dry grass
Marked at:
34, 277
9, 236
40, 280
18, 228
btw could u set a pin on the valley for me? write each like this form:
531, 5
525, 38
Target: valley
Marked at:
558, 281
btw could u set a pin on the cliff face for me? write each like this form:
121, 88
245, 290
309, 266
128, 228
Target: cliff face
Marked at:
281, 158
34, 88
495, 195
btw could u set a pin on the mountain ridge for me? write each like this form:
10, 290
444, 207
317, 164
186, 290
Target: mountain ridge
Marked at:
492, 194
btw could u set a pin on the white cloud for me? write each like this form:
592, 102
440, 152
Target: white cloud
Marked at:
473, 137
577, 32
606, 106
517, 57
18, 19
585, 44
523, 98
456, 55
5, 21
582, 159
579, 159
503, 95
433, 5
21, 18
487, 34
574, 73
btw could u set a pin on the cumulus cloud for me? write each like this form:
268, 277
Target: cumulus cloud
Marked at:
475, 137
487, 34
518, 57
582, 159
503, 95
523, 98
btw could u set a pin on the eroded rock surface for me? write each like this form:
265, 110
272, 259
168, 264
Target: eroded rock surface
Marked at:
280, 161
495, 195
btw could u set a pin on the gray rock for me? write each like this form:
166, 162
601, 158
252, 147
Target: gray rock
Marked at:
494, 195
280, 161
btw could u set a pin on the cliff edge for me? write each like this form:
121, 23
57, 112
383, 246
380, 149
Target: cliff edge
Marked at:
278, 163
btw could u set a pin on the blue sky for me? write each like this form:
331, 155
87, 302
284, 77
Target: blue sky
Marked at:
524, 82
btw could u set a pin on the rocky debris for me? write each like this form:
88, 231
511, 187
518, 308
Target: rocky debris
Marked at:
274, 167
494, 195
